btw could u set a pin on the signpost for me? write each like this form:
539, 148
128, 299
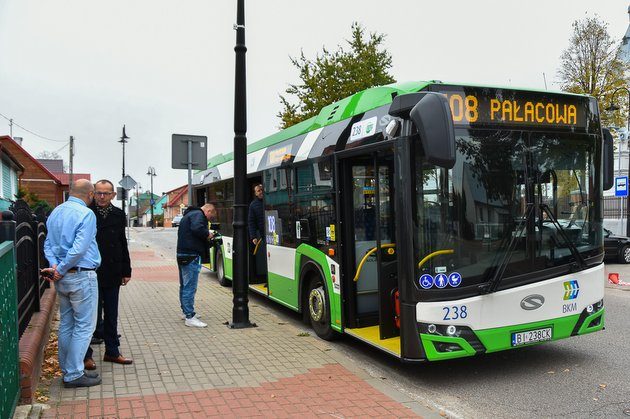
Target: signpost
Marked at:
189, 152
127, 183
621, 186
621, 190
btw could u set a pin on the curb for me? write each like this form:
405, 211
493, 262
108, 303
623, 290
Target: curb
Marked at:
32, 344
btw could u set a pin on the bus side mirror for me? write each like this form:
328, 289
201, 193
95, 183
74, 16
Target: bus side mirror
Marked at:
432, 117
431, 114
609, 159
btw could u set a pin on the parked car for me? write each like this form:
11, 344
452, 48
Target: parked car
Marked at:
616, 248
176, 220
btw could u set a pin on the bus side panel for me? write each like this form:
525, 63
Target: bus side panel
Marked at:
333, 287
281, 275
227, 256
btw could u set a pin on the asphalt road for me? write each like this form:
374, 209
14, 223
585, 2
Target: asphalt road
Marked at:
586, 376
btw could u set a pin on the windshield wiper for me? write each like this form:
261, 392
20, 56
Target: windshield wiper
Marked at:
492, 285
574, 251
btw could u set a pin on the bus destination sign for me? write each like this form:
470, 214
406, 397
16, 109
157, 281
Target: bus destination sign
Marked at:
508, 107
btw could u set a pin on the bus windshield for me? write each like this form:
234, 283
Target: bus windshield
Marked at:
518, 207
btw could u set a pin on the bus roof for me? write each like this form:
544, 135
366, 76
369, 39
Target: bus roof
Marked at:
358, 103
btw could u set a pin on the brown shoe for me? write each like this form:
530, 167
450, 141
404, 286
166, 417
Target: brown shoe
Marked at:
89, 364
118, 359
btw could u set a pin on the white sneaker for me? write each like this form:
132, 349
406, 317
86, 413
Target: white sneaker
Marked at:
183, 316
195, 322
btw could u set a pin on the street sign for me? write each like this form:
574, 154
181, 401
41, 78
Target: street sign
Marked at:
127, 182
152, 201
199, 150
621, 186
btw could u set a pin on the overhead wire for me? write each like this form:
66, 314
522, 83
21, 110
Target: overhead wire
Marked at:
31, 132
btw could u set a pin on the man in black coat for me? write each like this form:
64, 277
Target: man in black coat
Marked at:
115, 269
256, 229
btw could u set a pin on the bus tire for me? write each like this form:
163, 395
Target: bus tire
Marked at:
624, 255
223, 281
318, 307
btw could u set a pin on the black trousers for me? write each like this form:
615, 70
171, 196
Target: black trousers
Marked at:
108, 299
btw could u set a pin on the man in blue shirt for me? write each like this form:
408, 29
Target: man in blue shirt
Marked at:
73, 256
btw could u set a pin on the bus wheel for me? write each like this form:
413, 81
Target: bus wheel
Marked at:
625, 254
221, 270
319, 309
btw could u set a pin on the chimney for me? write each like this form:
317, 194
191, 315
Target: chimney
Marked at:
18, 140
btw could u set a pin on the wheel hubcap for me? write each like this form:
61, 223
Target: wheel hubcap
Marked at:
626, 255
220, 269
317, 304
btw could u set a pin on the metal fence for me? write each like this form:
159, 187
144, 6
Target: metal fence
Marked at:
30, 234
614, 206
9, 370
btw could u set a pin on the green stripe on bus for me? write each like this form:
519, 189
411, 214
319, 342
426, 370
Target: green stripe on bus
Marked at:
320, 258
283, 289
500, 338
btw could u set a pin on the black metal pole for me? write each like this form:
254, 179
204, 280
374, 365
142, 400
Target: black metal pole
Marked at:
152, 201
240, 310
137, 205
123, 140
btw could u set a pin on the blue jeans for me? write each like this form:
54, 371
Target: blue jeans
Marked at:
188, 279
78, 300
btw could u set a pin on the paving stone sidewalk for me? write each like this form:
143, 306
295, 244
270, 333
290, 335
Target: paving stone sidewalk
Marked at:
272, 370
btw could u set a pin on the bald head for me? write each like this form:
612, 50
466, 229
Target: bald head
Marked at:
209, 211
82, 189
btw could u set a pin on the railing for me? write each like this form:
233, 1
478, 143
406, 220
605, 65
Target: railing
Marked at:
614, 206
9, 373
30, 234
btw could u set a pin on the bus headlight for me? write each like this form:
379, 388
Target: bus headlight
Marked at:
589, 309
451, 330
431, 328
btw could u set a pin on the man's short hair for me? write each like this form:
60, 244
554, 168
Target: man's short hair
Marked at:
257, 185
207, 206
105, 181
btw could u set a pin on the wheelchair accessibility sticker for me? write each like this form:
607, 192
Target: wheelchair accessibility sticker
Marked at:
441, 280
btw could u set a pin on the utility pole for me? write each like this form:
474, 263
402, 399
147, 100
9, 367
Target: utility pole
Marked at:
71, 166
240, 309
137, 204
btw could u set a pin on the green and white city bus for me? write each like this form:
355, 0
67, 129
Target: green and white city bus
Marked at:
432, 220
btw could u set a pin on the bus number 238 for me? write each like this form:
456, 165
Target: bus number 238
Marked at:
455, 312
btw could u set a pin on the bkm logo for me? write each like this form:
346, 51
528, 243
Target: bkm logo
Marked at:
571, 290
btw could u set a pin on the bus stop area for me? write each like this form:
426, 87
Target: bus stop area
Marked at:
274, 370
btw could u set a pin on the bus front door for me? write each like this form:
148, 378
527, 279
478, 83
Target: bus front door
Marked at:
370, 244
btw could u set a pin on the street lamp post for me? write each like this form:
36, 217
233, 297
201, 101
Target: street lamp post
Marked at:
151, 173
240, 308
123, 141
614, 107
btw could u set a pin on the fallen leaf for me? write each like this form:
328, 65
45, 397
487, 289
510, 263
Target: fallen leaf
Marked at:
566, 370
602, 386
551, 372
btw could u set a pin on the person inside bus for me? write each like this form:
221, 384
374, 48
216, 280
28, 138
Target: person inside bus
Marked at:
256, 227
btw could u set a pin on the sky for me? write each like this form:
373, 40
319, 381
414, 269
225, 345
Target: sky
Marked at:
84, 68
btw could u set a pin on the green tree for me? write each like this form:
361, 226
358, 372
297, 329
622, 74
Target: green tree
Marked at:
334, 75
33, 200
592, 64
